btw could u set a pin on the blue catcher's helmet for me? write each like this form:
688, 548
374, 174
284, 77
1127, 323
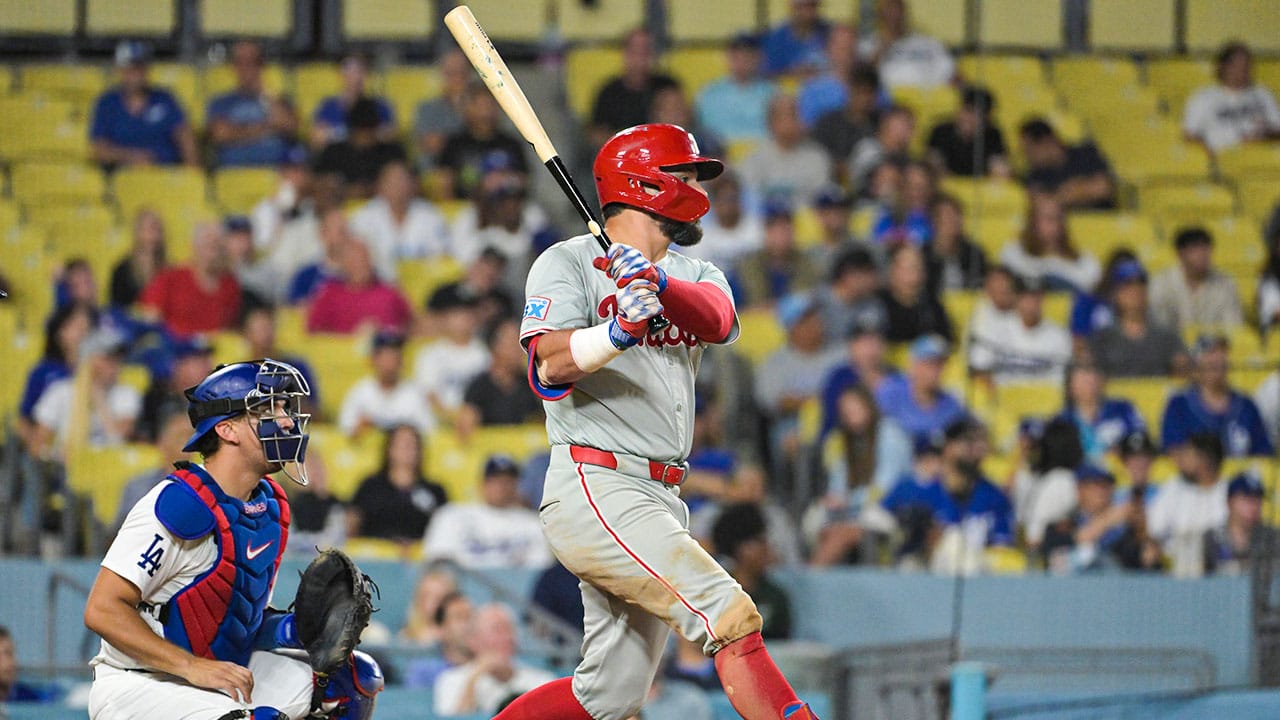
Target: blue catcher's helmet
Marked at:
261, 387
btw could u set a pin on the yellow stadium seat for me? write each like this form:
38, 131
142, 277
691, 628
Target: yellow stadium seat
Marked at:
132, 18
959, 306
1057, 307
19, 110
1267, 72
1148, 396
57, 183
420, 278
58, 140
992, 231
347, 461
521, 442
136, 377
1176, 78
1001, 71
1021, 23
761, 334
930, 105
291, 327
836, 10
808, 229
240, 18
518, 22
100, 474
740, 150
228, 346
1101, 233
989, 197
88, 231
1238, 248
220, 79
1115, 25
1211, 23
387, 19
600, 21
80, 84
1144, 160
695, 67
454, 463
1247, 379
1082, 74
1248, 161
1258, 196
10, 215
586, 71
940, 19
340, 361
183, 81
1016, 401
312, 83
161, 188
1174, 205
48, 17
29, 268
710, 20
238, 190
407, 86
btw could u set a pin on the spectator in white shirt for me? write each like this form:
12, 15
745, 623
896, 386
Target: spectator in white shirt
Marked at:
1191, 504
1194, 292
386, 398
1236, 110
91, 405
396, 224
500, 217
494, 677
1044, 250
996, 306
445, 366
788, 165
1025, 348
905, 58
729, 232
497, 532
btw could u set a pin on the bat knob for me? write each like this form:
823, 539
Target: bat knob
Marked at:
658, 324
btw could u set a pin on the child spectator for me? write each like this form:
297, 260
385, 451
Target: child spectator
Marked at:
396, 503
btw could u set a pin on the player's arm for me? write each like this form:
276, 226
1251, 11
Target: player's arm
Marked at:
562, 357
702, 308
112, 612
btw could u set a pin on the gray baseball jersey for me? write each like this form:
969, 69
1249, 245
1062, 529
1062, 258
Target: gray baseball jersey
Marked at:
641, 403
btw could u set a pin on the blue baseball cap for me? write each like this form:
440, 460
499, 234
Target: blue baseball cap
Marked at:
1246, 483
192, 346
237, 223
794, 307
930, 347
1128, 271
297, 155
501, 465
745, 39
1090, 473
777, 209
832, 195
132, 52
929, 443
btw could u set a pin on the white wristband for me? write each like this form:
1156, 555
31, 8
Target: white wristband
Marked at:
591, 348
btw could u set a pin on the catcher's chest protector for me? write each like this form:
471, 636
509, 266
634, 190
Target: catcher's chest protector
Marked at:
218, 615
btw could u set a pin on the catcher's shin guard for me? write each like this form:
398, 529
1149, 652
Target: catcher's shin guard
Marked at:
352, 690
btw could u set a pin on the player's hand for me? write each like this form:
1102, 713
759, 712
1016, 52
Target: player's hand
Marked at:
624, 263
229, 678
637, 303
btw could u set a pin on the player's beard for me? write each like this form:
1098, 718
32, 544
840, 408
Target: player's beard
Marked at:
684, 234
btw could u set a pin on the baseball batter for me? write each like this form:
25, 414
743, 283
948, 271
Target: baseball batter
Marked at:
181, 599
620, 406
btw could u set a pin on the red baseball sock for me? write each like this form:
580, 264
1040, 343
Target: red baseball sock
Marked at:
751, 680
552, 701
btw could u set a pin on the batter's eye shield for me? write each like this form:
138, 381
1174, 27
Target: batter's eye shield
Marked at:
276, 393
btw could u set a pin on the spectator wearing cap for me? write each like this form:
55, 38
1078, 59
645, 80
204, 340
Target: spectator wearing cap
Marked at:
895, 126
799, 41
258, 280
190, 360
864, 364
786, 164
875, 520
258, 328
839, 130
385, 398
1138, 453
1191, 504
1236, 109
916, 399
135, 123
905, 218
1077, 176
398, 225
329, 121
955, 147
729, 231
201, 297
1091, 312
1044, 249
624, 100
1210, 405
1194, 292
1027, 349
953, 260
483, 284
498, 532
828, 90
735, 106
358, 160
1245, 538
502, 218
357, 298
445, 366
249, 125
1045, 493
1099, 533
466, 151
500, 395
1133, 346
911, 311
850, 297
740, 537
436, 119
778, 268
834, 209
91, 408
397, 502
1103, 421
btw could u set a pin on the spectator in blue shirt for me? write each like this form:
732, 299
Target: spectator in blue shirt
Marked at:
137, 124
11, 690
1103, 421
735, 107
1211, 405
798, 42
329, 122
865, 365
830, 90
916, 400
249, 126
1091, 312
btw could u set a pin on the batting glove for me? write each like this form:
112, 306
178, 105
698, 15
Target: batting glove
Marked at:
637, 303
624, 263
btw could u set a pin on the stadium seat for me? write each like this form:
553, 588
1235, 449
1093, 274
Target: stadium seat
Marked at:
695, 67
162, 188
246, 18
1174, 205
521, 442
347, 461
420, 278
339, 361
1266, 71
1021, 23
1258, 196
10, 215
586, 71
959, 306
599, 21
931, 106
42, 139
219, 79
1248, 379
776, 11
1015, 401
989, 197
100, 475
1176, 78
28, 266
1144, 161
940, 19
1211, 23
85, 231
405, 87
807, 227
1250, 160
312, 83
761, 334
1057, 307
364, 20
1238, 248
57, 183
47, 17
238, 190
130, 18
992, 230
183, 81
80, 84
1112, 25
228, 346
710, 20
6, 80
455, 463
1111, 105
1083, 74
1000, 72
1103, 232
517, 22
1148, 395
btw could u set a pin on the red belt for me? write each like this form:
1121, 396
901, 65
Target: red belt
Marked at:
661, 472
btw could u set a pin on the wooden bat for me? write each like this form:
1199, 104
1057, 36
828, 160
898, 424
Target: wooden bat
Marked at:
478, 48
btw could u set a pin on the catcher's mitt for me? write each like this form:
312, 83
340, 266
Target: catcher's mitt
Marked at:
332, 607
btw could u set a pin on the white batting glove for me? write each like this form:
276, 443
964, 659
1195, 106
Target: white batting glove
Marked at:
637, 303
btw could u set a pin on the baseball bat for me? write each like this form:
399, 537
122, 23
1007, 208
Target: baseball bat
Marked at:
484, 57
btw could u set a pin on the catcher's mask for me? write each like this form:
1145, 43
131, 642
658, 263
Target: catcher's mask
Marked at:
262, 389
633, 168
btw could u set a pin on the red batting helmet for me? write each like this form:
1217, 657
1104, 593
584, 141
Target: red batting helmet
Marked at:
632, 169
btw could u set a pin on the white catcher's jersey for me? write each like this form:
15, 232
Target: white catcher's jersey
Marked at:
641, 403
156, 562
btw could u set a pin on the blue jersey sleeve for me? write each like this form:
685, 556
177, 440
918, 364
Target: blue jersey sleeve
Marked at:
1177, 424
1259, 441
837, 380
99, 129
1001, 532
175, 116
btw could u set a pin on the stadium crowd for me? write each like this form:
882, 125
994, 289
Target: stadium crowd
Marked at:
879, 416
